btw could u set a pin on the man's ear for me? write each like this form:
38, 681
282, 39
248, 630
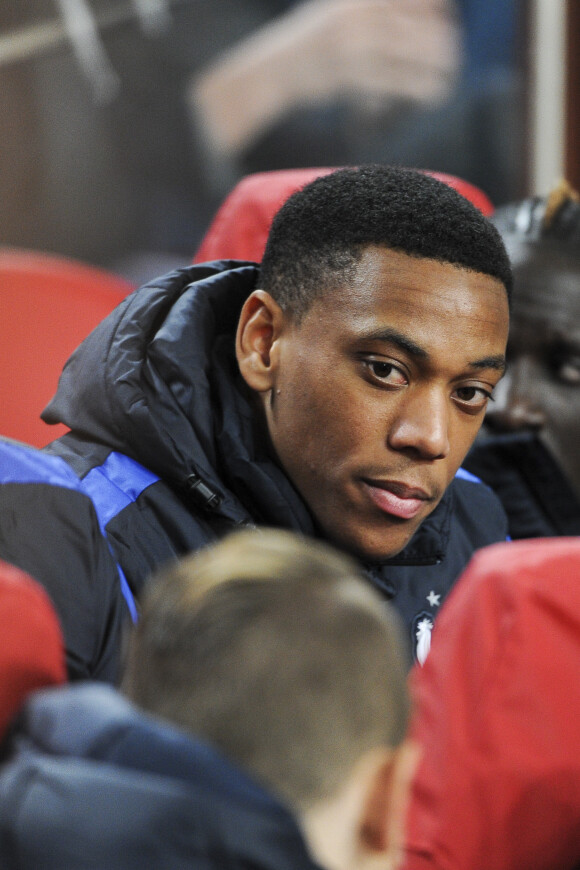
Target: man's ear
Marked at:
382, 825
257, 350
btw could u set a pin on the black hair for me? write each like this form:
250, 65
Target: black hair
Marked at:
322, 230
554, 218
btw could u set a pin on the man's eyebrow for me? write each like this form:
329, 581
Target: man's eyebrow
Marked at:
497, 362
392, 336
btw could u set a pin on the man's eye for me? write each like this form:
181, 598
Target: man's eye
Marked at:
564, 361
386, 372
568, 371
474, 398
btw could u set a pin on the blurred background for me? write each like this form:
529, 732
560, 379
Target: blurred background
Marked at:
125, 122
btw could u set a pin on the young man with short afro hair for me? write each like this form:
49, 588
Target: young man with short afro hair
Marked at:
335, 391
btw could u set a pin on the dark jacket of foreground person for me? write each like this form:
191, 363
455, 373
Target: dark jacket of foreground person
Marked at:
166, 444
95, 783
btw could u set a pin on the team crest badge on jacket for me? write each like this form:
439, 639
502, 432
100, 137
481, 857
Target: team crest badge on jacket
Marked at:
422, 628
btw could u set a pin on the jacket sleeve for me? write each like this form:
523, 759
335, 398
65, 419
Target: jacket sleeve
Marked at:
52, 532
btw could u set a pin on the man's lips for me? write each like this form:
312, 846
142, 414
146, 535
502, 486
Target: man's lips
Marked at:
396, 498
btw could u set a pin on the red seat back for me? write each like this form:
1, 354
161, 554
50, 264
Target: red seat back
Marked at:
32, 650
48, 304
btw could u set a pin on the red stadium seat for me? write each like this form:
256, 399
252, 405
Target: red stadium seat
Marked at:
49, 304
32, 650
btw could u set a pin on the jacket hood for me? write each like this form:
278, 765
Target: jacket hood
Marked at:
141, 380
95, 782
158, 381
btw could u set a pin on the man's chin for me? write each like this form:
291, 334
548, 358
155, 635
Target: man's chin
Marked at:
376, 548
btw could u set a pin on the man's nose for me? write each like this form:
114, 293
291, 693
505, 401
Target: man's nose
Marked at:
518, 401
421, 426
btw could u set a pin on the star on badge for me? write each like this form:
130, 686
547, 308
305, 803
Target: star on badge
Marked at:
433, 599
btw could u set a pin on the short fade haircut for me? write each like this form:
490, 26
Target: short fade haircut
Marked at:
277, 651
321, 231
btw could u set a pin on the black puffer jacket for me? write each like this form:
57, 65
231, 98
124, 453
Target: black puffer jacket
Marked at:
538, 500
91, 782
165, 443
